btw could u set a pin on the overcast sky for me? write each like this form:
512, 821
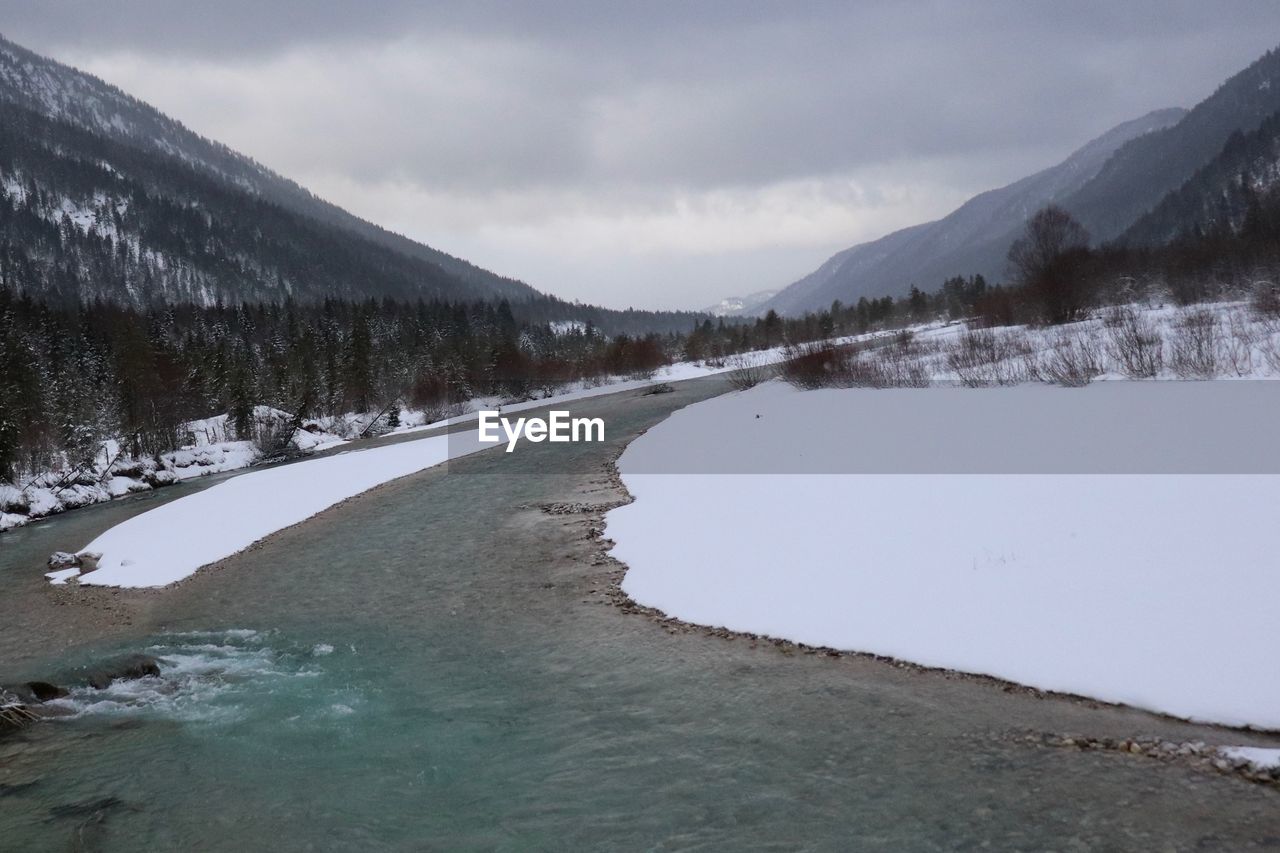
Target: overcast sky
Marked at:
652, 154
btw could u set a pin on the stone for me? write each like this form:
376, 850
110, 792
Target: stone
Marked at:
88, 561
124, 668
43, 691
62, 560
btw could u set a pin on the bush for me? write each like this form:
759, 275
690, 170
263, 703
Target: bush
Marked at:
749, 370
816, 365
900, 365
1270, 346
1237, 346
1194, 350
981, 357
1134, 343
1073, 361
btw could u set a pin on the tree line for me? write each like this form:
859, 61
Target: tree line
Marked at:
73, 375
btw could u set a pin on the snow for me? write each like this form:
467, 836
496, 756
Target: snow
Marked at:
1133, 560
1259, 757
10, 520
166, 544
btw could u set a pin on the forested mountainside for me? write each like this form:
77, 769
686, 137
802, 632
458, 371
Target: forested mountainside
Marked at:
972, 239
103, 197
60, 92
1108, 186
83, 216
1222, 194
1150, 167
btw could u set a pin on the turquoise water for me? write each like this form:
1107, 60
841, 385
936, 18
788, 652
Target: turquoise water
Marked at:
428, 668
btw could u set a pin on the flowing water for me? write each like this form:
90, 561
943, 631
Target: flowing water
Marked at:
432, 666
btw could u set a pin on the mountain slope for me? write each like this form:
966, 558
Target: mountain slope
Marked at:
972, 239
98, 128
1145, 170
736, 306
1219, 195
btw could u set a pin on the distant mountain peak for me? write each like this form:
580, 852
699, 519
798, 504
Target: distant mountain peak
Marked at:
738, 306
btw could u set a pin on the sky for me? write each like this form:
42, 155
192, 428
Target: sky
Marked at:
656, 154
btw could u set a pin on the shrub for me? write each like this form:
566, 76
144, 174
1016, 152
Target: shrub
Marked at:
1134, 343
1237, 346
981, 357
749, 370
1194, 349
816, 365
1270, 346
1073, 361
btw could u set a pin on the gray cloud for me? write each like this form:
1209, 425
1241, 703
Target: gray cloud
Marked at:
559, 141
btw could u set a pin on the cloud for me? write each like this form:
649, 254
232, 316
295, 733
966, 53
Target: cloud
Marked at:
562, 140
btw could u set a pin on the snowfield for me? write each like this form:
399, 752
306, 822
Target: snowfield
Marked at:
1133, 558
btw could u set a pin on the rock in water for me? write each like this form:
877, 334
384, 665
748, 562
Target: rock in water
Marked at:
43, 691
125, 668
30, 693
63, 560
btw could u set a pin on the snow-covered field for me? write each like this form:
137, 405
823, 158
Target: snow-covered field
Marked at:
1117, 541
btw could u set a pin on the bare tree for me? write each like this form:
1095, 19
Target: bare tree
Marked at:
1048, 260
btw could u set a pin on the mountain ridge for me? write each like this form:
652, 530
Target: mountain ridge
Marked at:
970, 239
62, 93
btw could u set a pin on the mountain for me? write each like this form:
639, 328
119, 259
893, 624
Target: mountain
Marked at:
1145, 170
972, 239
736, 306
102, 196
1221, 194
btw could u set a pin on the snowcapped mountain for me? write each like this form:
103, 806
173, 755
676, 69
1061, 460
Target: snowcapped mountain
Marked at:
972, 239
102, 196
740, 306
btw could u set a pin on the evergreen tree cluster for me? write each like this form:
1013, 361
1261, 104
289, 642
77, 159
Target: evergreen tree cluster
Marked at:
71, 376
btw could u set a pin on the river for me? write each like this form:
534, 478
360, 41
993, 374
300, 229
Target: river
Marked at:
434, 665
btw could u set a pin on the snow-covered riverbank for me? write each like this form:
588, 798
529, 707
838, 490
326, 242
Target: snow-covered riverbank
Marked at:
169, 543
951, 542
166, 544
